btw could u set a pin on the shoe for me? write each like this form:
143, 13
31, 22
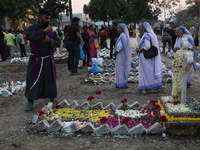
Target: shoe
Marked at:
80, 67
28, 106
89, 65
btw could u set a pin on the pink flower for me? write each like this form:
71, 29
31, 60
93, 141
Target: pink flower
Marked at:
55, 102
90, 98
176, 103
153, 101
157, 107
163, 118
40, 113
103, 120
98, 92
124, 100
125, 120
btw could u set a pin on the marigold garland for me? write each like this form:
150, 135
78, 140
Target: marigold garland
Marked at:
172, 118
91, 115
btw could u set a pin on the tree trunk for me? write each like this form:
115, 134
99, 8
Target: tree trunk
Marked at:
70, 11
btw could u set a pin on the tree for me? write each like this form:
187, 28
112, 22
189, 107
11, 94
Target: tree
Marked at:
196, 6
166, 6
56, 7
115, 9
17, 10
138, 10
93, 11
122, 10
188, 17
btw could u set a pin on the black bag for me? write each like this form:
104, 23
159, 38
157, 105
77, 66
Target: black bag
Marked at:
152, 52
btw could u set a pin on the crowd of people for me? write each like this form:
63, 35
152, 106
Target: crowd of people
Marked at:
8, 40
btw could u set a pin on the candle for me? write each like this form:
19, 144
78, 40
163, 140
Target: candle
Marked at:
7, 85
92, 117
77, 122
12, 83
119, 121
47, 112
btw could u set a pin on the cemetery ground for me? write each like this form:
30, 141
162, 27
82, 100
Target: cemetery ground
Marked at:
14, 120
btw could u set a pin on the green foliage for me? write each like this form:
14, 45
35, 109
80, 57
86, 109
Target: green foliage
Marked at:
194, 22
190, 16
92, 9
16, 10
138, 10
121, 10
56, 7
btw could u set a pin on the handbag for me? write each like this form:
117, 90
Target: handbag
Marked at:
82, 55
152, 52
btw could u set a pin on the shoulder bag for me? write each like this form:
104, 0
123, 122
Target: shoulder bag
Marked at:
152, 52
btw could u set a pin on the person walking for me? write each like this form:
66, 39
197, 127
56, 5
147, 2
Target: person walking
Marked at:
182, 32
150, 70
122, 57
73, 35
114, 35
41, 72
167, 39
10, 42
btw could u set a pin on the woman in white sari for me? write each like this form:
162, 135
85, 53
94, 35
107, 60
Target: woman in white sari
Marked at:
122, 57
183, 32
150, 70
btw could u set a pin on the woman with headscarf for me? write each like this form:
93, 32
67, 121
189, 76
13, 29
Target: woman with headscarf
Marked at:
122, 57
150, 70
182, 32
93, 50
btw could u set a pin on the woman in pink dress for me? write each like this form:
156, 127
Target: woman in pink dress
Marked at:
93, 50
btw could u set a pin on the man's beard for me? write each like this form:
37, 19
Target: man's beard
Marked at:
45, 24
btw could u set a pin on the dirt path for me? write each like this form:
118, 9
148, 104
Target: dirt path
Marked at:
13, 119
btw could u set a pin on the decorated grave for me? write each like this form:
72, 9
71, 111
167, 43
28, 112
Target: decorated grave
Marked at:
9, 88
61, 56
19, 60
108, 73
181, 112
67, 118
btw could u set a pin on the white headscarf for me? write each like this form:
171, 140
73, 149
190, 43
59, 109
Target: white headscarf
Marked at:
126, 32
191, 41
157, 63
146, 26
126, 46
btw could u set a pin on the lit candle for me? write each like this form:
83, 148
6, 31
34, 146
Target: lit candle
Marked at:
77, 122
119, 121
47, 112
